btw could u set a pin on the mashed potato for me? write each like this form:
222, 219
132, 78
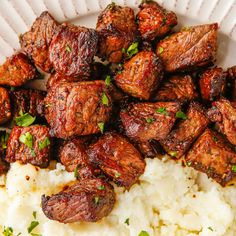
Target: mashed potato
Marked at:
170, 201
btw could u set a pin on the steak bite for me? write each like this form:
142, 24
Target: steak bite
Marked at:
224, 114
187, 131
231, 79
141, 75
88, 200
17, 70
28, 101
29, 145
212, 84
146, 121
72, 50
117, 158
81, 108
212, 155
74, 157
177, 88
117, 30
190, 48
5, 106
36, 41
154, 21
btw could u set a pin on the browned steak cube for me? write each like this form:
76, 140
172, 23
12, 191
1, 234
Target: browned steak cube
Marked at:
141, 75
117, 30
212, 83
29, 145
28, 101
154, 21
181, 138
4, 166
80, 108
74, 157
224, 114
72, 50
190, 48
36, 41
17, 70
146, 121
177, 88
117, 158
88, 200
231, 76
212, 155
5, 106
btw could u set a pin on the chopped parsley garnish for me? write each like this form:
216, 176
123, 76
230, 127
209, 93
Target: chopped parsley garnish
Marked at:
7, 231
34, 214
68, 49
234, 168
188, 163
127, 221
162, 110
117, 174
27, 139
214, 138
24, 119
46, 142
143, 233
96, 200
33, 234
101, 126
210, 229
105, 100
160, 50
19, 234
123, 50
4, 139
102, 187
12, 88
181, 115
48, 105
32, 226
33, 153
132, 50
76, 174
149, 120
108, 80
173, 153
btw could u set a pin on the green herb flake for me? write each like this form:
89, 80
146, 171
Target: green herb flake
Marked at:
34, 214
233, 168
102, 187
143, 233
123, 50
101, 126
160, 50
68, 49
32, 226
96, 200
33, 153
173, 153
33, 234
76, 173
105, 100
25, 120
117, 174
12, 88
162, 110
7, 231
181, 115
48, 105
27, 139
45, 143
19, 234
210, 229
132, 50
108, 80
149, 120
188, 163
214, 138
4, 140
127, 221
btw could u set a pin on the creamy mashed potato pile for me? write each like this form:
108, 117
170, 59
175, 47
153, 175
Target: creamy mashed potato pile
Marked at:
170, 201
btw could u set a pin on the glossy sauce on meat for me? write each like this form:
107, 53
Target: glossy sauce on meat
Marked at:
5, 106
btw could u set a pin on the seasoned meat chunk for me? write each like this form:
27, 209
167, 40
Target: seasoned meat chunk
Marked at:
190, 48
29, 145
177, 88
36, 41
141, 75
212, 84
154, 21
187, 131
231, 79
4, 166
150, 148
74, 157
117, 30
77, 108
88, 200
224, 114
72, 50
28, 101
5, 106
117, 158
17, 70
146, 121
212, 155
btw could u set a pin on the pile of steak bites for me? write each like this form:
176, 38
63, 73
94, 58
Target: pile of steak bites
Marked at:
154, 91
